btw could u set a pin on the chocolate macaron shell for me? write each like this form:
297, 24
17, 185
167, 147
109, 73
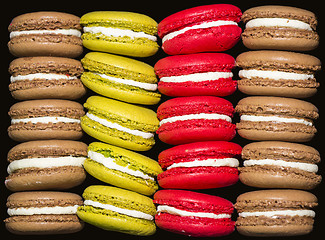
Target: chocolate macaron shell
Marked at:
283, 37
33, 78
280, 165
45, 169
300, 84
276, 119
33, 44
40, 224
268, 201
24, 130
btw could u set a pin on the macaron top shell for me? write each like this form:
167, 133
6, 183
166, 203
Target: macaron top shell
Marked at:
192, 105
46, 107
278, 60
194, 63
43, 199
198, 150
44, 20
119, 19
281, 150
123, 111
193, 201
120, 198
59, 65
274, 11
193, 15
47, 148
119, 66
278, 105
278, 195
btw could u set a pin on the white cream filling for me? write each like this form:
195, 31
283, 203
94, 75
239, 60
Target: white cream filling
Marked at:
309, 167
109, 163
219, 162
109, 124
146, 86
128, 212
184, 213
45, 162
42, 210
47, 76
70, 32
116, 32
197, 26
197, 77
274, 119
45, 120
274, 75
214, 116
278, 22
300, 213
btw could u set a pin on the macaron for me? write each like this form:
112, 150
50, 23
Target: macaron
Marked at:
199, 165
276, 213
120, 210
280, 27
122, 168
196, 74
278, 73
193, 214
276, 118
45, 34
121, 124
206, 28
124, 33
46, 77
193, 119
120, 78
43, 213
45, 119
274, 164
46, 164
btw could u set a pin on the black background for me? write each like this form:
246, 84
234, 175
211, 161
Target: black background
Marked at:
158, 10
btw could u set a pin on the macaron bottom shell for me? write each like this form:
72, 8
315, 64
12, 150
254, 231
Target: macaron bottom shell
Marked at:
120, 179
112, 221
115, 137
120, 45
119, 91
198, 177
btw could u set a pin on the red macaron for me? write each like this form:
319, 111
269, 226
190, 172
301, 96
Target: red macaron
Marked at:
207, 28
199, 165
193, 119
193, 214
196, 74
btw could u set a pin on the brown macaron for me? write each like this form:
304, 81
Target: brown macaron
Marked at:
280, 27
279, 212
46, 77
45, 119
45, 34
276, 119
39, 213
273, 164
45, 165
278, 73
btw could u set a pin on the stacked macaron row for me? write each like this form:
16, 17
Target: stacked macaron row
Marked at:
120, 117
197, 119
277, 75
45, 79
